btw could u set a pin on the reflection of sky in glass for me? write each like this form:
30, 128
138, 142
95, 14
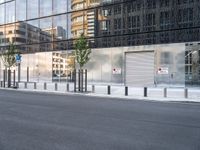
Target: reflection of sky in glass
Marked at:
59, 6
46, 23
60, 21
34, 23
69, 5
10, 12
2, 14
20, 10
32, 9
45, 7
69, 34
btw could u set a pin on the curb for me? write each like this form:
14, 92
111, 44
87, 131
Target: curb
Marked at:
155, 99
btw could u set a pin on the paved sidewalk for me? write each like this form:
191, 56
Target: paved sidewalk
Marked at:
118, 91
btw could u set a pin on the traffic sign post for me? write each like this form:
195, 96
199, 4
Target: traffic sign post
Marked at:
18, 61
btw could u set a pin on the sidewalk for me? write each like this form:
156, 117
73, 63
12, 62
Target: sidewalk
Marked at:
118, 91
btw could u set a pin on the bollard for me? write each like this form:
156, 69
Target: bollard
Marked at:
145, 91
126, 91
35, 85
45, 85
109, 90
1, 84
93, 89
17, 85
165, 92
56, 87
67, 87
25, 85
186, 93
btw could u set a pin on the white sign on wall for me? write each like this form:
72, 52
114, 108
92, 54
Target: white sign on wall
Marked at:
117, 71
163, 70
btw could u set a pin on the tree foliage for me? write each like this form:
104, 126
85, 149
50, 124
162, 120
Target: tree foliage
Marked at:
8, 56
82, 51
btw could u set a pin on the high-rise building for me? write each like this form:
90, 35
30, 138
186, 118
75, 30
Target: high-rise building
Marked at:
83, 22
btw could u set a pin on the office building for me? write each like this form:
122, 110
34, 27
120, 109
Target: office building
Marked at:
134, 42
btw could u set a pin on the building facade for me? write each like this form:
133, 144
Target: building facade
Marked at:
162, 37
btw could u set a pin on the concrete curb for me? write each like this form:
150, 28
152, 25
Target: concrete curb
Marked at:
178, 100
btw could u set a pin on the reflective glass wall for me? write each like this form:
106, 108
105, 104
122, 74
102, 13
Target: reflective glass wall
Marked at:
106, 23
53, 25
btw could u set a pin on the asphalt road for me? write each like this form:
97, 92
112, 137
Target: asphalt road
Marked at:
33, 121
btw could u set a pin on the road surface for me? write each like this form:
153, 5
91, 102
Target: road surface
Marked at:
36, 121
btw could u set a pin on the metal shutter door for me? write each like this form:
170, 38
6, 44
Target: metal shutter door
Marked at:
140, 69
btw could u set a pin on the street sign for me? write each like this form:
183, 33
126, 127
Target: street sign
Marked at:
117, 71
18, 58
163, 70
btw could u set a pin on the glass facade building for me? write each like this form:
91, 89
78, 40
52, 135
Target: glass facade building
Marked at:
44, 31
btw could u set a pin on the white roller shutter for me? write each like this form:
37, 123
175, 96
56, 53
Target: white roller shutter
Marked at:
139, 68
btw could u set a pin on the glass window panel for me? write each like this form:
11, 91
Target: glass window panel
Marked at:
2, 14
77, 5
33, 48
20, 33
69, 27
2, 36
33, 31
22, 48
10, 33
32, 7
10, 12
60, 6
46, 29
46, 47
60, 46
45, 7
59, 27
20, 10
78, 23
69, 5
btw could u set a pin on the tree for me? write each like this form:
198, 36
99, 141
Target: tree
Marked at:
8, 56
82, 51
8, 59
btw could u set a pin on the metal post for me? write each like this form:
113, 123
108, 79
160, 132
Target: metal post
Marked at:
74, 80
165, 92
79, 84
109, 90
126, 91
9, 78
145, 91
1, 83
19, 72
81, 80
56, 87
85, 80
25, 85
35, 85
4, 78
14, 78
17, 85
27, 74
67, 87
45, 85
186, 93
93, 89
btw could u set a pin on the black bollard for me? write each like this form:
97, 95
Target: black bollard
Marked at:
109, 90
145, 91
126, 91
